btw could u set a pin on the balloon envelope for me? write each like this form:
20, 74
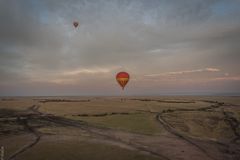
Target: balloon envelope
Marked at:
122, 79
75, 24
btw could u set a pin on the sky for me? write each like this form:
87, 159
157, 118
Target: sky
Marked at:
169, 47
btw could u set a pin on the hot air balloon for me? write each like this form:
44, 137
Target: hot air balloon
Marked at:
122, 78
75, 24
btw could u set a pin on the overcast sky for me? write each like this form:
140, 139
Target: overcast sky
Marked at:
167, 47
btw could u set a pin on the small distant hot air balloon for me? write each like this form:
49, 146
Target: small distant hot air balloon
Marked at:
122, 78
75, 24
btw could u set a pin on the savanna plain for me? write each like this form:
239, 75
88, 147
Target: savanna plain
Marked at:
129, 128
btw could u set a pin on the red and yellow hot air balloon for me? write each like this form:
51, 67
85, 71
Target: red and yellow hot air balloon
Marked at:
122, 78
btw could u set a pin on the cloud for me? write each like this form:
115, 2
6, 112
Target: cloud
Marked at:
39, 45
86, 71
212, 69
235, 78
184, 72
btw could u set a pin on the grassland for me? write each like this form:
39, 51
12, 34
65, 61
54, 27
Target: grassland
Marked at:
143, 123
114, 128
72, 148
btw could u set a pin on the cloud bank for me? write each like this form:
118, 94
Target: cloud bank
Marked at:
42, 53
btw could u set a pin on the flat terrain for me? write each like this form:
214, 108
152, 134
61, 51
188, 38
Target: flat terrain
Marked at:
104, 128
